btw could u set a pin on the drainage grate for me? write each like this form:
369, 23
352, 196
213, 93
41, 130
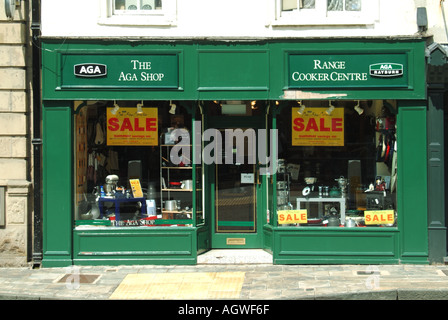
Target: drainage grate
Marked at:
80, 278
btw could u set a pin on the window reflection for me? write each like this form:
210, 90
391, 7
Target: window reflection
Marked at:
137, 5
338, 5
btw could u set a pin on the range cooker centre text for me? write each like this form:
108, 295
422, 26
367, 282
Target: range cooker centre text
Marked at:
333, 76
144, 76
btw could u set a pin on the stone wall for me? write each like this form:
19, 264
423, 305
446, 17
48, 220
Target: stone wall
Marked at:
15, 133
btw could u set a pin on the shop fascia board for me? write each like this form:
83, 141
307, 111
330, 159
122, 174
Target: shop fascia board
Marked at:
276, 91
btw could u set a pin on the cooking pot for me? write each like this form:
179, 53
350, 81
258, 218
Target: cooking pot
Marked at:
187, 184
171, 205
333, 222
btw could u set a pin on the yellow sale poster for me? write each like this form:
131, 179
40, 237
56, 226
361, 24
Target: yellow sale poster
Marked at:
292, 216
379, 217
128, 128
136, 188
314, 127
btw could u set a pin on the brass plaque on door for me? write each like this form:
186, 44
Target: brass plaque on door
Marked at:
236, 241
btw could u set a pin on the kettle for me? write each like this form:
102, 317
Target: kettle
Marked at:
333, 221
350, 223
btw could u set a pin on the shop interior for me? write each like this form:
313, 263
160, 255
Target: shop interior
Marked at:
336, 184
104, 169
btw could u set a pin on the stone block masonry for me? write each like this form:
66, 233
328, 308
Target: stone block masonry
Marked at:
15, 137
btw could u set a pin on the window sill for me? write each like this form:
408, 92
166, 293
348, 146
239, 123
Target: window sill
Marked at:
137, 21
297, 22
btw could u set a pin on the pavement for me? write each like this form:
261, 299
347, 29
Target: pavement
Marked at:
223, 278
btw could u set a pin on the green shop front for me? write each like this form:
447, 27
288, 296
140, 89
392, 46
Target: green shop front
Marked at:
157, 152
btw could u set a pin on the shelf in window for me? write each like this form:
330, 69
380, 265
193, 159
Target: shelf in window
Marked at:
180, 168
176, 211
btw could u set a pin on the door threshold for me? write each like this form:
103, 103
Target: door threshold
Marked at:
235, 256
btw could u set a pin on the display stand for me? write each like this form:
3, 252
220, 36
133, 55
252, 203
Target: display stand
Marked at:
117, 202
169, 174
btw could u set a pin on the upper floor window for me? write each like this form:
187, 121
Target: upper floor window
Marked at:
138, 12
137, 6
326, 12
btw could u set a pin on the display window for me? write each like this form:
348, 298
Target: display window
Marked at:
125, 175
337, 164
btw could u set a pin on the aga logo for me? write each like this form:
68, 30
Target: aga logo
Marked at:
386, 70
90, 70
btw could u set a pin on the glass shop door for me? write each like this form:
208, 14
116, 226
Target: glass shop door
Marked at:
237, 195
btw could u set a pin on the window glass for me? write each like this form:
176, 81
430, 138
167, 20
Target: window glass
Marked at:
124, 176
308, 4
337, 164
353, 5
294, 4
137, 5
347, 5
334, 5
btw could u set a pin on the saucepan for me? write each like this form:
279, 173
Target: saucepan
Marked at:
187, 184
171, 205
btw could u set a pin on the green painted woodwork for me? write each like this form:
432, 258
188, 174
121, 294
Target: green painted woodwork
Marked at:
437, 235
268, 234
320, 245
414, 50
57, 184
407, 243
224, 71
412, 195
372, 70
150, 245
124, 70
252, 240
203, 238
230, 71
243, 69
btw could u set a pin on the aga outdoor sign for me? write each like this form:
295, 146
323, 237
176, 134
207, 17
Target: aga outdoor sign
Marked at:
111, 71
388, 70
347, 71
90, 70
